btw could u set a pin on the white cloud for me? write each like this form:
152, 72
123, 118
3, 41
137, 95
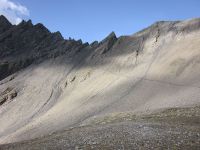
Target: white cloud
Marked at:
14, 12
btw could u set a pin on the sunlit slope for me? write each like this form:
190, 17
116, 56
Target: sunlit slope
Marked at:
154, 69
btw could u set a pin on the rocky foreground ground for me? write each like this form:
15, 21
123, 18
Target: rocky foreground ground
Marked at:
171, 129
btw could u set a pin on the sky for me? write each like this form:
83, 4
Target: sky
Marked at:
92, 20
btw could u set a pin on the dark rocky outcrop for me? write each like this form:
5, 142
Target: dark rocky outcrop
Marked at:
94, 44
7, 94
4, 24
105, 45
108, 42
26, 43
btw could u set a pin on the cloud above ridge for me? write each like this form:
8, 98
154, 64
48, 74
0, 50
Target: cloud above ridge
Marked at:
14, 12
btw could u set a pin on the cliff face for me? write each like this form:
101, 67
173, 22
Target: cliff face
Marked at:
49, 83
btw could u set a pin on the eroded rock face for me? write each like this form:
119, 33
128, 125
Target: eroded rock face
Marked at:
7, 95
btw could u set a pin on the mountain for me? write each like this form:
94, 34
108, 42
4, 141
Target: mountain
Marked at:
54, 87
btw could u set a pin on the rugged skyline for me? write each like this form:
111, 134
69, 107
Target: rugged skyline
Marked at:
93, 20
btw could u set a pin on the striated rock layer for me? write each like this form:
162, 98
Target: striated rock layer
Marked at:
50, 84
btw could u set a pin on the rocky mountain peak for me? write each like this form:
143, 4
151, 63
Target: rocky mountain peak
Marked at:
4, 24
110, 37
107, 43
40, 26
4, 20
58, 35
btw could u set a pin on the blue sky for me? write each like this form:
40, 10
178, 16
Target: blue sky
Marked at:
94, 19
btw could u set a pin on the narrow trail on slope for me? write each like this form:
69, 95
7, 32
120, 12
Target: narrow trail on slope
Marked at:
153, 80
